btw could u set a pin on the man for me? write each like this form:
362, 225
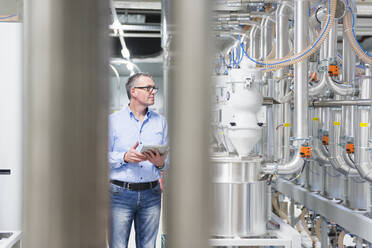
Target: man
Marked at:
135, 189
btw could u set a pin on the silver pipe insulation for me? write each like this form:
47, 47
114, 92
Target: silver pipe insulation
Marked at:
348, 112
254, 40
340, 103
362, 153
300, 94
166, 42
266, 38
319, 156
282, 132
332, 56
334, 146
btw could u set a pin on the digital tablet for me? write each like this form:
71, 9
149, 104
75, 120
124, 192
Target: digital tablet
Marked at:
161, 148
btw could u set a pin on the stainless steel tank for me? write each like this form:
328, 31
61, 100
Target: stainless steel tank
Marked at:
315, 177
239, 198
334, 184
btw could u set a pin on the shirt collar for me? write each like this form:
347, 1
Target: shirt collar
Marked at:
129, 111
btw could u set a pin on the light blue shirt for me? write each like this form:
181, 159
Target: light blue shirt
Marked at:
124, 131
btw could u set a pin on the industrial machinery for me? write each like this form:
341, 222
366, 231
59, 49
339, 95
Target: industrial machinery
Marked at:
291, 123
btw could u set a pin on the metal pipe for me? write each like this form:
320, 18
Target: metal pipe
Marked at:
188, 206
362, 154
340, 103
166, 42
254, 41
282, 47
334, 146
332, 53
319, 156
321, 87
65, 123
300, 94
300, 71
348, 112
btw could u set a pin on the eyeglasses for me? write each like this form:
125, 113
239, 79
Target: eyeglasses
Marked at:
149, 89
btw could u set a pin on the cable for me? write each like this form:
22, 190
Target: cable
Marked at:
352, 29
299, 174
349, 155
334, 80
293, 59
316, 15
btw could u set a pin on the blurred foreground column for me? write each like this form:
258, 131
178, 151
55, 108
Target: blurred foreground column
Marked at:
188, 198
65, 102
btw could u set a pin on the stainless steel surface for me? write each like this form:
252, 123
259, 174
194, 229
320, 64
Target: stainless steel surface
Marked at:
340, 103
334, 184
362, 154
239, 198
65, 124
254, 42
353, 221
300, 95
357, 191
315, 177
335, 147
166, 42
332, 55
189, 210
137, 27
135, 4
142, 35
300, 71
282, 49
318, 154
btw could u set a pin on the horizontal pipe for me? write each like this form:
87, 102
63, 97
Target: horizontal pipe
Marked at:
340, 103
269, 101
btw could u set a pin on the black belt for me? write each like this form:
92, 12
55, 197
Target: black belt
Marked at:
135, 186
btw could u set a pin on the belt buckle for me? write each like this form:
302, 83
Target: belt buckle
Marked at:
129, 186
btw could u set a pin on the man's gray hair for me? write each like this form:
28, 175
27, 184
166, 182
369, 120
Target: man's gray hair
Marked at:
132, 79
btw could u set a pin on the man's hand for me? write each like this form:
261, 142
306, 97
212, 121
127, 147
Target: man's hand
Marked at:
156, 159
133, 156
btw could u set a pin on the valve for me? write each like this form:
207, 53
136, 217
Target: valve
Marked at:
313, 76
349, 148
333, 70
305, 152
325, 140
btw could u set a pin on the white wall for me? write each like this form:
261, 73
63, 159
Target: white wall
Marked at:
10, 125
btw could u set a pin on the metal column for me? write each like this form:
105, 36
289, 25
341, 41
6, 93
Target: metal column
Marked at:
65, 130
188, 118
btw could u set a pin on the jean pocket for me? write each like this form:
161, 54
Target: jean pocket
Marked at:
115, 189
156, 190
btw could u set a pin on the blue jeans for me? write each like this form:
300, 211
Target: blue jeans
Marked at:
142, 207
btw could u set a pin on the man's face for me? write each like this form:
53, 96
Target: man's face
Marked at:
145, 96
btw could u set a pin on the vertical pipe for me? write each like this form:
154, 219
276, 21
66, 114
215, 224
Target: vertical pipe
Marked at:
254, 41
282, 48
362, 154
301, 69
189, 86
65, 129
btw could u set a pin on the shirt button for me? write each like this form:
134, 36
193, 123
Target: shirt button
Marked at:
141, 166
141, 178
141, 142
